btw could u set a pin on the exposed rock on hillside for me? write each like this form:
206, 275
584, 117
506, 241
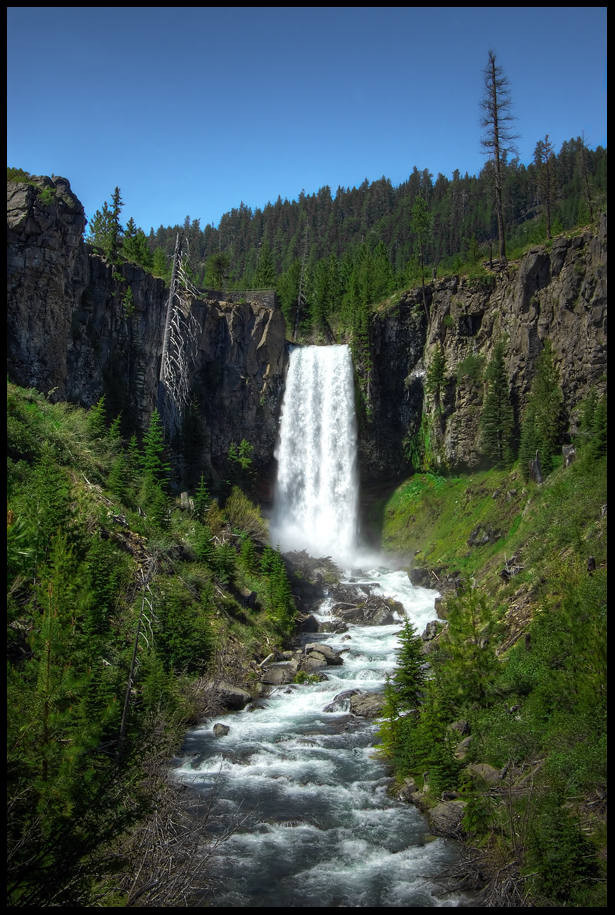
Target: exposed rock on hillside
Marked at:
560, 293
68, 329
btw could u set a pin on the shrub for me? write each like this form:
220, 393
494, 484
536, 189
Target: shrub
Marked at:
244, 515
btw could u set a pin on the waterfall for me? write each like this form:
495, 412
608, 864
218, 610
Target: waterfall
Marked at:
316, 501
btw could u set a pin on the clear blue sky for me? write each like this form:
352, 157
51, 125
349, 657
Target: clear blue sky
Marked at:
192, 110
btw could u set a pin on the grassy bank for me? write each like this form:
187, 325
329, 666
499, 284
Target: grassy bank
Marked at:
512, 723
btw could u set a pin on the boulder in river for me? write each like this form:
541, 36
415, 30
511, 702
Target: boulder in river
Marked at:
340, 701
220, 730
282, 672
367, 705
324, 651
374, 610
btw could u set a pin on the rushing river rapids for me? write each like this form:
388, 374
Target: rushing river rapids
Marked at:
298, 772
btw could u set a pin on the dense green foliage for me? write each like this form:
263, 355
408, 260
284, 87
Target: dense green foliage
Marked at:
497, 418
97, 551
531, 686
543, 418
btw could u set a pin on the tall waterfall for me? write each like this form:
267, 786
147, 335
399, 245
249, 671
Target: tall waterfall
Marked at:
316, 499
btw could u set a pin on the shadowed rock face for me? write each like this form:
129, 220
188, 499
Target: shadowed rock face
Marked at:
68, 330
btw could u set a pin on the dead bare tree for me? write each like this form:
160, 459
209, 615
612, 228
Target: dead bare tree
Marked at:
179, 343
498, 138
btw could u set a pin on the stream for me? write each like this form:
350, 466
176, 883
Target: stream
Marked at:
317, 825
297, 776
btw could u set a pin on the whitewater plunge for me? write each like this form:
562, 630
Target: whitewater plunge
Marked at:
296, 776
316, 501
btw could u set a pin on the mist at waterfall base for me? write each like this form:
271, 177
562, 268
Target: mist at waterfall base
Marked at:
297, 776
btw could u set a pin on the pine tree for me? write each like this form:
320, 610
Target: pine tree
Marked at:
203, 544
498, 138
117, 481
265, 276
247, 556
153, 462
421, 225
202, 498
541, 426
544, 159
408, 677
105, 227
115, 227
472, 664
135, 246
97, 420
497, 417
160, 264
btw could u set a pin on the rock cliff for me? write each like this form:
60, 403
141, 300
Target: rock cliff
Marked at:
68, 330
557, 291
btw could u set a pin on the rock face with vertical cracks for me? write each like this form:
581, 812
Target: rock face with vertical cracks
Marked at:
68, 330
557, 292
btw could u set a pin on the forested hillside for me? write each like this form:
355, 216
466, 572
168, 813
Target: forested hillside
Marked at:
356, 246
120, 599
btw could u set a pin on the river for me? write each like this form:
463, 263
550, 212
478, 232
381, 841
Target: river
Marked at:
297, 775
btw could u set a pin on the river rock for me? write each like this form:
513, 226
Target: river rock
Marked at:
220, 730
431, 631
367, 705
373, 611
330, 656
312, 663
445, 818
333, 626
340, 701
309, 624
282, 672
407, 789
231, 697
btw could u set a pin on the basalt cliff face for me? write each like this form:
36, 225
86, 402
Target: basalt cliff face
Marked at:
557, 292
68, 330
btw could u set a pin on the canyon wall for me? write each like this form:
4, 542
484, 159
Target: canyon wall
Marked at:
69, 331
556, 291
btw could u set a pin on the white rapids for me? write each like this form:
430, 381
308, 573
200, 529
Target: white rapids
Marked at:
304, 787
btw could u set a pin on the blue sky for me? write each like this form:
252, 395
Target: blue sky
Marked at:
192, 110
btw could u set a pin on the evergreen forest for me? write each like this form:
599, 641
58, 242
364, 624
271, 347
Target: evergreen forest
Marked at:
340, 253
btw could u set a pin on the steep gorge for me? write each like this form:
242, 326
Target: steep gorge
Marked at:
68, 332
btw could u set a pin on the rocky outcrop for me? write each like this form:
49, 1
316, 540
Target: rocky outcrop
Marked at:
69, 332
557, 292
